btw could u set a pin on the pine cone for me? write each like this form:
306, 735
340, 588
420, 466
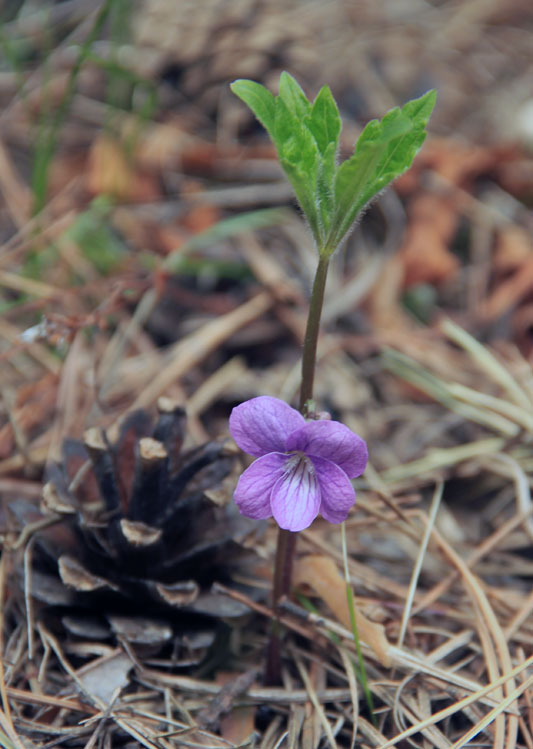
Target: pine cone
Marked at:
144, 532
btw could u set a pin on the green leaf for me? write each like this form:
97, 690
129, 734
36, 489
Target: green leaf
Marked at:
325, 195
299, 157
292, 95
259, 99
306, 138
384, 150
283, 117
324, 121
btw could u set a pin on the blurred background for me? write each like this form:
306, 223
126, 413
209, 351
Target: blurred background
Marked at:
140, 200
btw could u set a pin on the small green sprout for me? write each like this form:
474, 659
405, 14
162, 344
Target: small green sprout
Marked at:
306, 137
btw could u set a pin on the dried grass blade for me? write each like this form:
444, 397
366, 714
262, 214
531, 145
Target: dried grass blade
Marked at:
315, 701
129, 728
487, 616
5, 741
435, 504
230, 372
72, 373
28, 286
31, 698
499, 405
443, 457
28, 599
492, 667
411, 371
523, 492
411, 710
488, 544
116, 347
490, 365
352, 683
274, 695
6, 720
371, 733
296, 719
411, 662
493, 714
460, 705
194, 347
519, 618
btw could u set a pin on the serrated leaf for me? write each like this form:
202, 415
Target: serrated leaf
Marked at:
259, 99
292, 95
324, 121
299, 157
384, 150
306, 139
325, 181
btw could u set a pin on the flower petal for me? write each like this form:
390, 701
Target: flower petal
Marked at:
262, 425
333, 441
337, 493
295, 498
252, 493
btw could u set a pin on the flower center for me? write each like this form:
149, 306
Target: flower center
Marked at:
299, 463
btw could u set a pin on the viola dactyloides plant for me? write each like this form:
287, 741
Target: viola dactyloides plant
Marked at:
304, 467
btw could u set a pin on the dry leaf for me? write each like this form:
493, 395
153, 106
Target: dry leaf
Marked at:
110, 172
200, 217
236, 723
34, 405
321, 574
384, 307
161, 145
425, 251
102, 677
509, 294
513, 248
458, 163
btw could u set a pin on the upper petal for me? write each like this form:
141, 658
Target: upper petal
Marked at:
252, 493
337, 493
333, 441
295, 498
262, 425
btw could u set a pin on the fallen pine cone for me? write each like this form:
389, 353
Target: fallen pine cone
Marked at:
145, 529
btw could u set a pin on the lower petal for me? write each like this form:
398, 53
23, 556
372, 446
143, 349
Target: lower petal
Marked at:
338, 494
295, 498
252, 493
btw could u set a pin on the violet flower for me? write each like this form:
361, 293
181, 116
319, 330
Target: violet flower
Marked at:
302, 467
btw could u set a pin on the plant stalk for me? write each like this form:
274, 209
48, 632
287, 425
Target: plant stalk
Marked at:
311, 333
286, 546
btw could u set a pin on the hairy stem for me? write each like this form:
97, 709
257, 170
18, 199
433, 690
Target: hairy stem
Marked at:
286, 539
282, 583
311, 333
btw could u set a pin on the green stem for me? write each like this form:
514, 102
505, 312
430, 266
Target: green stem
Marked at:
311, 333
286, 539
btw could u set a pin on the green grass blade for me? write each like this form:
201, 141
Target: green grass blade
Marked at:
48, 143
353, 622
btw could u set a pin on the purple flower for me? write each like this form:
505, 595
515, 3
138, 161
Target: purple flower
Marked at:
302, 467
